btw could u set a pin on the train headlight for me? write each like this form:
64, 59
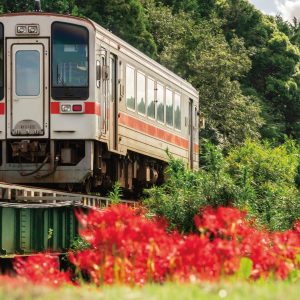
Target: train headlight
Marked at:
27, 29
33, 29
65, 108
21, 29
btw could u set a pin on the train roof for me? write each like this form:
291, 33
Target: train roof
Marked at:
47, 14
138, 55
123, 46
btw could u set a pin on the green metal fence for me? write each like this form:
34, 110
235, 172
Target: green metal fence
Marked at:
30, 230
37, 219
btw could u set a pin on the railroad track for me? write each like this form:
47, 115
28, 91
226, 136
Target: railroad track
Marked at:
19, 196
34, 219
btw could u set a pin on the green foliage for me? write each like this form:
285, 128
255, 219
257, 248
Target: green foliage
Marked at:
179, 199
79, 244
50, 234
264, 162
186, 191
115, 195
60, 6
17, 5
257, 177
125, 18
246, 266
274, 73
217, 187
265, 179
294, 276
262, 290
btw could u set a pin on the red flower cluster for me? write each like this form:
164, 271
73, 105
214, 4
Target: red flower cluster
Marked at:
231, 236
125, 247
41, 269
128, 248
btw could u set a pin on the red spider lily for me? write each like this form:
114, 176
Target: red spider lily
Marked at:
41, 269
271, 253
128, 248
133, 249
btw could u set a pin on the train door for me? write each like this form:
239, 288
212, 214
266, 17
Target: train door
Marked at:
191, 134
28, 88
114, 107
104, 90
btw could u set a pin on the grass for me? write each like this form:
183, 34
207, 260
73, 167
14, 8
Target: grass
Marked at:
232, 291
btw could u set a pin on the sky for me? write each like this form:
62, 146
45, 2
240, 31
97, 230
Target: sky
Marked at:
287, 8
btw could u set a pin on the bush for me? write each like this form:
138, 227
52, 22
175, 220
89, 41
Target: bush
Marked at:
265, 182
257, 177
179, 199
186, 191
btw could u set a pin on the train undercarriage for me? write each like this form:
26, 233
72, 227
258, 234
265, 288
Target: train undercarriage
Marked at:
76, 165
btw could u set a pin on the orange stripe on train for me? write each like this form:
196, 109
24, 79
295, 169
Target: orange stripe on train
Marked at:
92, 108
153, 131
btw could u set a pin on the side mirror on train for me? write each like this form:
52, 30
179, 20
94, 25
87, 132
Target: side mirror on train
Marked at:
98, 73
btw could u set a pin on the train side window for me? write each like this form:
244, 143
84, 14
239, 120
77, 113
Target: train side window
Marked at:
169, 107
160, 104
1, 61
150, 98
98, 73
141, 93
196, 117
70, 61
177, 111
130, 87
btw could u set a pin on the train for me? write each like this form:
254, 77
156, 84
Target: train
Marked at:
81, 107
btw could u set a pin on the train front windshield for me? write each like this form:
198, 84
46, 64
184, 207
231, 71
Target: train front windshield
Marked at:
70, 61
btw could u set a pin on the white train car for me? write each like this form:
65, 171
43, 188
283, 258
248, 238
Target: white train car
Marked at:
80, 105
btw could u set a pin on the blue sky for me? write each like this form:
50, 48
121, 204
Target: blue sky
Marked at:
287, 8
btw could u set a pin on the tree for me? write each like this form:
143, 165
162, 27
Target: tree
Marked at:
125, 18
273, 79
17, 5
275, 75
199, 52
58, 6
